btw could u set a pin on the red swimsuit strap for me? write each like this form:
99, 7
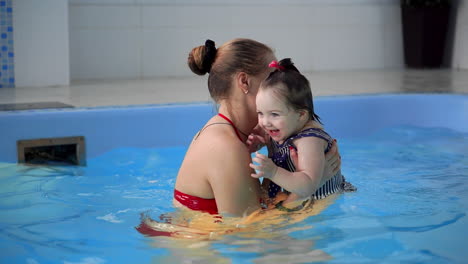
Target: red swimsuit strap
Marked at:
232, 124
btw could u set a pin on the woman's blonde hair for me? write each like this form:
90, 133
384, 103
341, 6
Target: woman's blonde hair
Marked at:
237, 55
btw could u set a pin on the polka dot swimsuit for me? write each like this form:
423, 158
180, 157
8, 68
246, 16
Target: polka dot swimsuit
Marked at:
280, 155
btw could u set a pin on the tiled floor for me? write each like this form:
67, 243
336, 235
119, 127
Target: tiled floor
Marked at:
193, 89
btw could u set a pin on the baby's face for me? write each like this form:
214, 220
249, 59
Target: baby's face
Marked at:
275, 117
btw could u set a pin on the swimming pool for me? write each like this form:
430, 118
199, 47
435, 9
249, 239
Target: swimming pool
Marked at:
407, 154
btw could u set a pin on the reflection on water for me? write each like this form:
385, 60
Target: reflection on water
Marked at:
262, 236
277, 249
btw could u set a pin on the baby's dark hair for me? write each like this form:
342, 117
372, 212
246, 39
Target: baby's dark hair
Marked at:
291, 85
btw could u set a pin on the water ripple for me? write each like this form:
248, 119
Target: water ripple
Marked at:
426, 228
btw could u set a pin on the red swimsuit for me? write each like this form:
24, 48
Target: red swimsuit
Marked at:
196, 203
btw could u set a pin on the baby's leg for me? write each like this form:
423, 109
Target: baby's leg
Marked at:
294, 200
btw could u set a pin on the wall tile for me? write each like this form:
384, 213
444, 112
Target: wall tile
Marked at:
7, 53
104, 54
254, 2
112, 17
102, 2
41, 43
318, 35
341, 48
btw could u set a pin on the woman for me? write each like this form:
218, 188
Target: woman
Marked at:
215, 174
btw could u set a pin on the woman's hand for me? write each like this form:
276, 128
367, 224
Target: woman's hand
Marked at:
293, 155
264, 167
255, 142
332, 162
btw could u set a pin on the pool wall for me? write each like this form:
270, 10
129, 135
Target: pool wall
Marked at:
105, 128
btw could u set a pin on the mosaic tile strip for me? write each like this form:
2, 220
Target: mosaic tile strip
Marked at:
7, 73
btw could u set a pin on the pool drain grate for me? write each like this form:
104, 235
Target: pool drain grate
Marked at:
52, 151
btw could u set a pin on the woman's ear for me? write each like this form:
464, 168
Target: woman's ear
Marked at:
243, 82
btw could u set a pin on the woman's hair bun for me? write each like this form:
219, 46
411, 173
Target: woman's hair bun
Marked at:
201, 58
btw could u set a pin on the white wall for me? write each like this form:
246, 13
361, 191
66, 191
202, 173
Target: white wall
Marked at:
460, 53
121, 39
40, 39
128, 39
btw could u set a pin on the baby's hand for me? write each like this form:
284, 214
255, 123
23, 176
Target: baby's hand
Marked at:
264, 167
255, 142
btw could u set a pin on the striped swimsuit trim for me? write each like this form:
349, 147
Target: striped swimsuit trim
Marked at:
335, 184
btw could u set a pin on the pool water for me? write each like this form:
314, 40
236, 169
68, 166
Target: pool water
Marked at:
411, 206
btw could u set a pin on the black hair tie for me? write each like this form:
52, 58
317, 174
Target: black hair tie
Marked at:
210, 54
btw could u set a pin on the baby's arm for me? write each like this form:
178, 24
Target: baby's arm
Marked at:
310, 166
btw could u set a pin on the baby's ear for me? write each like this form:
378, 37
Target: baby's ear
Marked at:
303, 113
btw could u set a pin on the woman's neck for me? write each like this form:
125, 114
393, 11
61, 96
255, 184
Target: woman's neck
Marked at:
240, 118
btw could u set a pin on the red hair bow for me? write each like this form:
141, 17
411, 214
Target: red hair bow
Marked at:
275, 64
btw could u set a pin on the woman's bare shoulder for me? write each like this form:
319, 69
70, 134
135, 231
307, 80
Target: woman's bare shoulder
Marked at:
221, 137
222, 149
